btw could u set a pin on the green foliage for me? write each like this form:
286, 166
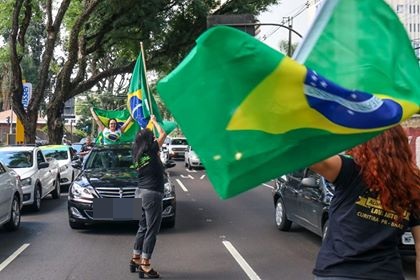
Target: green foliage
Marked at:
284, 46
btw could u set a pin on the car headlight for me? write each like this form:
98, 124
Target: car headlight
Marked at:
81, 193
168, 189
26, 181
63, 168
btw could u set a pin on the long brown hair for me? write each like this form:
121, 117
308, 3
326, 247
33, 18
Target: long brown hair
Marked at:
388, 167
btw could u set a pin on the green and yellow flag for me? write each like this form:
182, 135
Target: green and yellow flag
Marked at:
140, 102
121, 116
253, 114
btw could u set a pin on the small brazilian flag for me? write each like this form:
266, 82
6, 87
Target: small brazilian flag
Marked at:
253, 114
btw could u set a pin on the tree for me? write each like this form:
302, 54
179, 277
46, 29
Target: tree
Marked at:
284, 46
91, 33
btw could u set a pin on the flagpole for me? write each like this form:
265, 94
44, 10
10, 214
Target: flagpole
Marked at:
149, 100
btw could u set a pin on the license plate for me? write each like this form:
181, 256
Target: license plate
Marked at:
407, 238
117, 209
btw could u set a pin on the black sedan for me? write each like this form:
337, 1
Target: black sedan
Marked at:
105, 189
303, 197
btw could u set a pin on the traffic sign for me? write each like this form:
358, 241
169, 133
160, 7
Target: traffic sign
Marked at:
27, 93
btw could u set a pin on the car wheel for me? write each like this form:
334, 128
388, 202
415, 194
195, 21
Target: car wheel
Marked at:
56, 192
14, 221
325, 229
77, 225
36, 205
189, 165
282, 222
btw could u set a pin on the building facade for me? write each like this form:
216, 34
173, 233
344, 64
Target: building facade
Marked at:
409, 13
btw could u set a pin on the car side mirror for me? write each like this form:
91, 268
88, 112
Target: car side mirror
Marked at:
310, 182
42, 165
76, 164
169, 164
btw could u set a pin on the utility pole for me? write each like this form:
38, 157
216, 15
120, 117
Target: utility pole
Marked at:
290, 25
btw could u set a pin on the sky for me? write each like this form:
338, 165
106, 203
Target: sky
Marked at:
272, 35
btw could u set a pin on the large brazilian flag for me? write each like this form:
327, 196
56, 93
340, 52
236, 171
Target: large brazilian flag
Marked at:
253, 114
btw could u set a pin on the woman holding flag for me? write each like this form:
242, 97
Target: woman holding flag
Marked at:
150, 189
377, 196
112, 133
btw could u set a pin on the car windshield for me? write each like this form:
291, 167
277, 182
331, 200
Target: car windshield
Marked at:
77, 147
57, 154
179, 142
17, 159
113, 158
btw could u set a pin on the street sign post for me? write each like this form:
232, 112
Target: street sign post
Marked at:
26, 96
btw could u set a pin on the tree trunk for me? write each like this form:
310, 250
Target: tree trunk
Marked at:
54, 121
30, 128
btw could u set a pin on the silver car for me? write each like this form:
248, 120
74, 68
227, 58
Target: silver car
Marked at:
10, 198
191, 159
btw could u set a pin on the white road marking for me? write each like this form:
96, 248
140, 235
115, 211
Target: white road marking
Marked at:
241, 261
202, 176
192, 170
182, 185
13, 256
268, 186
183, 176
191, 176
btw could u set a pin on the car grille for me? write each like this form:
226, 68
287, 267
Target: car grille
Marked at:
179, 149
117, 192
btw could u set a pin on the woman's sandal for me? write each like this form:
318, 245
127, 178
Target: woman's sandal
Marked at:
149, 274
135, 264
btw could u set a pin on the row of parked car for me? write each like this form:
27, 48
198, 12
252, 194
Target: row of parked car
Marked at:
178, 148
30, 173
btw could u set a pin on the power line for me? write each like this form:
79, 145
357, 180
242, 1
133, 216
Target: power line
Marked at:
288, 20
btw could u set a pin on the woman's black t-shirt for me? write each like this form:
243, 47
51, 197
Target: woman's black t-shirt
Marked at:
150, 170
362, 238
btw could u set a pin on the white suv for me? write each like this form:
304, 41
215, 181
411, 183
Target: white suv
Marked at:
177, 147
38, 176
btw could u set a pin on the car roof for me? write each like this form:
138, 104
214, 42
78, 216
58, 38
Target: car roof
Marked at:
113, 146
18, 148
50, 147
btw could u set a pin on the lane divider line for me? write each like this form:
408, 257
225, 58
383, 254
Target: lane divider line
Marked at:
241, 261
268, 186
13, 256
190, 176
202, 176
191, 170
181, 185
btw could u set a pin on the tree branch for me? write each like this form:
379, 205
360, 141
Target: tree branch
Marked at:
89, 83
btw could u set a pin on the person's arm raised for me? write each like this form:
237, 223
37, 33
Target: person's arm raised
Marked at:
97, 120
328, 168
126, 123
162, 133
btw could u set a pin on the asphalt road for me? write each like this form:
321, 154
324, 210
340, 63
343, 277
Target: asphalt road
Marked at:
212, 239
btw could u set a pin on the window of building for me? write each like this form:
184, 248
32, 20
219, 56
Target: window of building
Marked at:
400, 8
